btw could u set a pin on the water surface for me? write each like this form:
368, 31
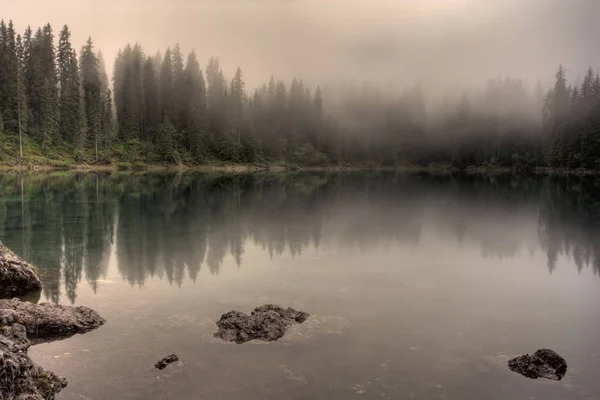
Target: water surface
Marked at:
420, 287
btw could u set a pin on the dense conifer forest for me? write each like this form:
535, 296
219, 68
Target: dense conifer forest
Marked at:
59, 107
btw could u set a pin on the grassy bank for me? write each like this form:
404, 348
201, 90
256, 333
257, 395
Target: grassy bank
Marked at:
138, 157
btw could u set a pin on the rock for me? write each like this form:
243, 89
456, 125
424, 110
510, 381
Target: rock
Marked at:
162, 364
46, 321
543, 363
268, 323
21, 323
17, 277
20, 377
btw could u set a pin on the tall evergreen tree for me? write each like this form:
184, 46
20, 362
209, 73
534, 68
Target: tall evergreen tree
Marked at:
178, 88
92, 97
165, 91
216, 95
151, 110
9, 71
72, 121
195, 115
45, 83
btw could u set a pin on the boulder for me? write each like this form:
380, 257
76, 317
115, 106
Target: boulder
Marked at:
20, 324
544, 363
267, 323
20, 377
17, 277
46, 321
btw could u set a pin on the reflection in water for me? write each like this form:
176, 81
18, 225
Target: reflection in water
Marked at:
171, 226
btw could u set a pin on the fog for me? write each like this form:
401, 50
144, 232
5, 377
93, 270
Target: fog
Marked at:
441, 44
450, 82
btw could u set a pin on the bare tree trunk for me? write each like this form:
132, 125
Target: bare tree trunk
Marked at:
19, 115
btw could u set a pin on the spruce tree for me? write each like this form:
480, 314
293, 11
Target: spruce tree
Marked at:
21, 89
237, 98
216, 94
317, 117
177, 107
165, 91
71, 115
9, 76
195, 115
106, 123
151, 110
92, 97
45, 108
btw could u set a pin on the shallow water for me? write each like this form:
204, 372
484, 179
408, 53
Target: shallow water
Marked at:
419, 287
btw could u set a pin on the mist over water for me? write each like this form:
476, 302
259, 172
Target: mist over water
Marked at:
418, 286
174, 227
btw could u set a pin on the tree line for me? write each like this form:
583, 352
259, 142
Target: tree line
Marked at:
57, 103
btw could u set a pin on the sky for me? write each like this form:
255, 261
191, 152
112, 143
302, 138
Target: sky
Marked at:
438, 43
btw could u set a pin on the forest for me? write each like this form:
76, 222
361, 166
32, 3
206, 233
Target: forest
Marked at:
59, 107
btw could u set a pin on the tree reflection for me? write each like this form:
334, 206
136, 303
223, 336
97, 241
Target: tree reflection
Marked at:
171, 226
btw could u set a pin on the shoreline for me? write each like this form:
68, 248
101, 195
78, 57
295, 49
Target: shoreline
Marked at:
251, 168
233, 168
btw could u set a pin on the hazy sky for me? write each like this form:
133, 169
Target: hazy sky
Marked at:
439, 42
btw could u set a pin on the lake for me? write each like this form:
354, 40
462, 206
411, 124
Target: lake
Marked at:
418, 286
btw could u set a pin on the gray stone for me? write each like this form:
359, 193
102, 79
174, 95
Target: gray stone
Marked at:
17, 277
20, 377
267, 323
46, 321
22, 323
544, 363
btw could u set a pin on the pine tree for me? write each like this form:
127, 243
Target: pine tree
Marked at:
177, 106
21, 89
317, 117
92, 97
49, 113
104, 87
9, 72
45, 108
129, 115
164, 141
151, 110
216, 94
195, 115
128, 91
237, 98
106, 122
165, 90
71, 112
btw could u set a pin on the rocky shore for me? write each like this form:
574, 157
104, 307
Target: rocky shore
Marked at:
23, 324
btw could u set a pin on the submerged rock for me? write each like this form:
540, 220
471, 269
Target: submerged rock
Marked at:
268, 323
162, 364
46, 321
17, 277
544, 363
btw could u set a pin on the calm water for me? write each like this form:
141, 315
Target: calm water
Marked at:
420, 287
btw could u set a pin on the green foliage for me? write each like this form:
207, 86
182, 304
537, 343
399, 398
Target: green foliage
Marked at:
164, 142
305, 154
